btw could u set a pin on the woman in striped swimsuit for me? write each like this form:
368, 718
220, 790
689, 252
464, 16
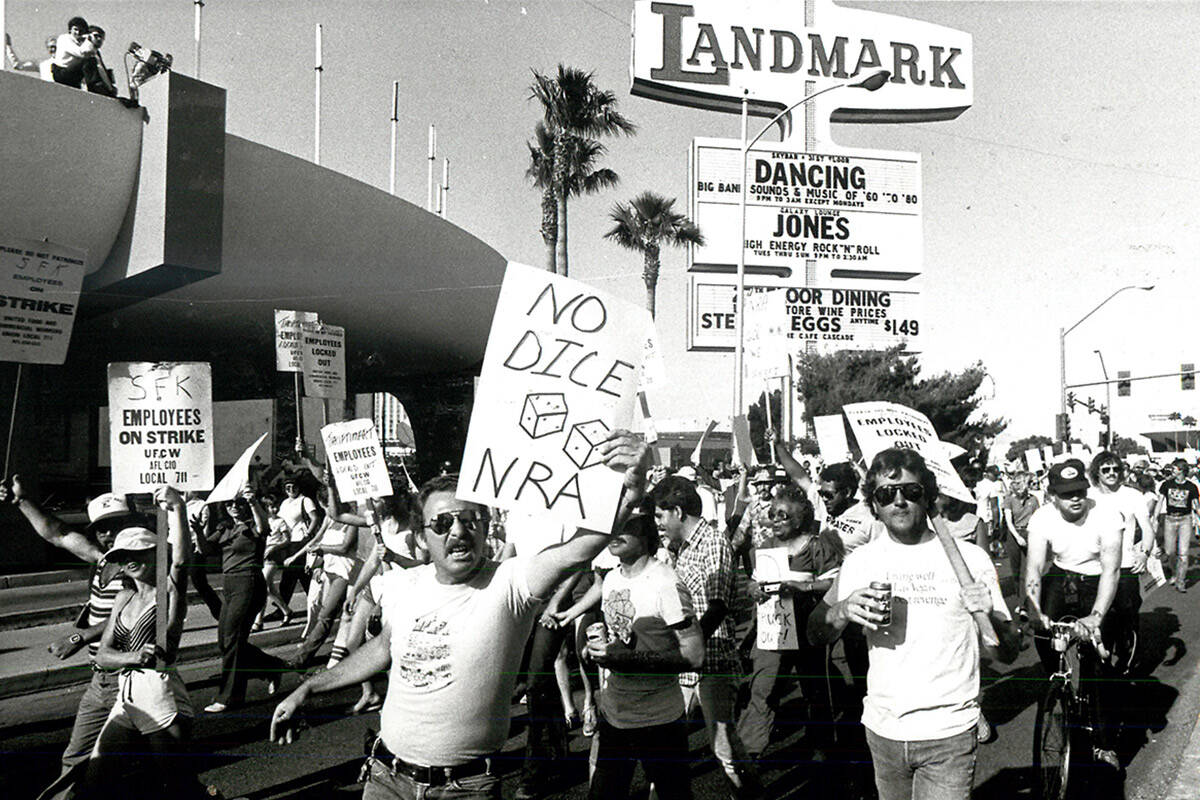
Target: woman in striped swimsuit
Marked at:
152, 702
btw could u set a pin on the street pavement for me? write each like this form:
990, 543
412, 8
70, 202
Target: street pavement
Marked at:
1160, 742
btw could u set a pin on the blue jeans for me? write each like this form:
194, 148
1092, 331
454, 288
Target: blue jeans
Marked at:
383, 785
933, 769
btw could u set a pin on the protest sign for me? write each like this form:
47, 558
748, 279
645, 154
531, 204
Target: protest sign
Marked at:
160, 419
879, 425
953, 450
776, 614
289, 339
39, 295
743, 450
354, 454
560, 372
1033, 459
324, 360
765, 352
831, 438
695, 457
231, 482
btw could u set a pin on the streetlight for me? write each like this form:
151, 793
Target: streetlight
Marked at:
1062, 346
870, 83
1107, 402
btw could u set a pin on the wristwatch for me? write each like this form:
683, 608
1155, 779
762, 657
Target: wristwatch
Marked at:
75, 638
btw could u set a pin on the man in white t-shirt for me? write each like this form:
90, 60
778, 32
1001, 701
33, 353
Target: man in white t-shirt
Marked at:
652, 636
73, 52
922, 703
1082, 541
303, 518
452, 638
1107, 473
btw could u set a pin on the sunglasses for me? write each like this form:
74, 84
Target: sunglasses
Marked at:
779, 516
886, 495
469, 518
1109, 470
828, 495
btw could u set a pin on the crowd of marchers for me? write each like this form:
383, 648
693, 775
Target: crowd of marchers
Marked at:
445, 613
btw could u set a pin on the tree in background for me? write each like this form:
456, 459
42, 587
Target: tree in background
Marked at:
1018, 448
950, 400
573, 108
582, 177
644, 225
1125, 446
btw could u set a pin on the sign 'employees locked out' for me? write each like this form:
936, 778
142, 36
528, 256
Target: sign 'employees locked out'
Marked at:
561, 370
160, 423
324, 360
356, 458
39, 297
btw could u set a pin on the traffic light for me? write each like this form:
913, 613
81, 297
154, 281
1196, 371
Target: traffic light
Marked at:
1091, 404
1123, 383
1071, 400
1187, 378
1062, 427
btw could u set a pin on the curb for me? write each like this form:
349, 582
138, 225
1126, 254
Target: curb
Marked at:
1187, 768
42, 578
68, 613
58, 677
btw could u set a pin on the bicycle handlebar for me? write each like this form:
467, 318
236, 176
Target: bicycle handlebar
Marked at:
1068, 627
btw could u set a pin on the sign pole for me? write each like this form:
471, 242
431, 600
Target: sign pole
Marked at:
740, 297
318, 69
12, 418
395, 127
299, 415
161, 576
199, 4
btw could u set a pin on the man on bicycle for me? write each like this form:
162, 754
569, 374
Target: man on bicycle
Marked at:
1082, 540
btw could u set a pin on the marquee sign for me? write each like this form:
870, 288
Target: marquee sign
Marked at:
710, 54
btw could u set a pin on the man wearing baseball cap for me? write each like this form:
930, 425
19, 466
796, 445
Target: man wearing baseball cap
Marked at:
108, 514
1082, 542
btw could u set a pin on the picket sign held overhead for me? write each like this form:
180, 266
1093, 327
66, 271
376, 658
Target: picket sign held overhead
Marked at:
160, 423
353, 452
831, 438
879, 426
238, 476
289, 339
743, 448
1033, 459
561, 371
324, 360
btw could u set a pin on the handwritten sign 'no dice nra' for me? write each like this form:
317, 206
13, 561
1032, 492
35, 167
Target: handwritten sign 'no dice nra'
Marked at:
160, 419
561, 371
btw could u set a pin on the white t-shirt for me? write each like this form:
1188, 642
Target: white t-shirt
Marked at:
640, 611
297, 512
1127, 502
530, 534
986, 491
456, 652
923, 680
855, 526
1076, 545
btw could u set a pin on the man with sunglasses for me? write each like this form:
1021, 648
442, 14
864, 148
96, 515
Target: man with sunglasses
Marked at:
1082, 540
922, 703
108, 515
453, 634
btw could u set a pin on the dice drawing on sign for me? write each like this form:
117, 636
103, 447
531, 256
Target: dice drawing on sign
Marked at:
582, 441
544, 414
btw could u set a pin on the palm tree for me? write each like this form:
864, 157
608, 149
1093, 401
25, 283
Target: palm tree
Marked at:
573, 108
646, 223
582, 178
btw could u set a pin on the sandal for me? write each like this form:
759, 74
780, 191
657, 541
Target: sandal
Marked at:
590, 721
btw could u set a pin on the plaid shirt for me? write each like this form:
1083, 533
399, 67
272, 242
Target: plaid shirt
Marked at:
705, 565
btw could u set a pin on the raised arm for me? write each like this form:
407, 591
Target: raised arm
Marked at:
1035, 565
621, 451
49, 527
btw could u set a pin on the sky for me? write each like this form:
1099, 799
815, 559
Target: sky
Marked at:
1072, 175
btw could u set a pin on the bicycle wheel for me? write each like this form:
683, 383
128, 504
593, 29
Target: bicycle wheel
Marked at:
1052, 744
